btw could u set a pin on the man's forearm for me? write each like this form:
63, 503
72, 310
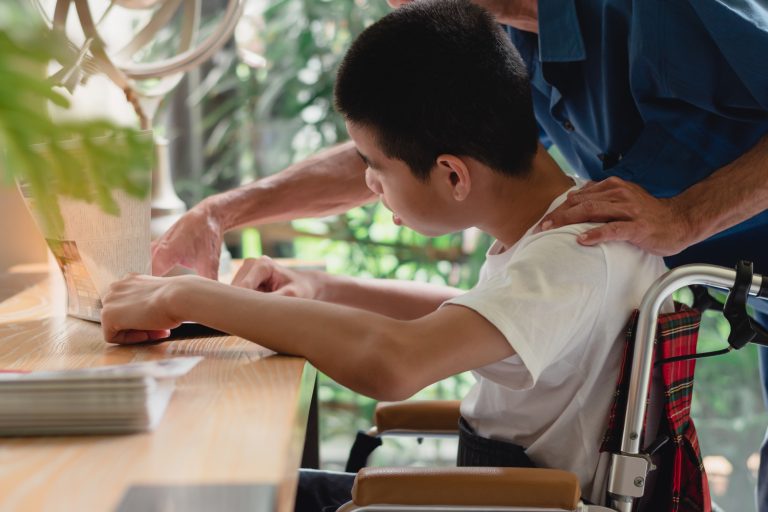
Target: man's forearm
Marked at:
331, 182
729, 196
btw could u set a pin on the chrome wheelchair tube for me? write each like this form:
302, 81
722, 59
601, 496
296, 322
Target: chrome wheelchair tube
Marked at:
709, 275
662, 289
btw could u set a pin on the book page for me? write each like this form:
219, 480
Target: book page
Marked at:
96, 248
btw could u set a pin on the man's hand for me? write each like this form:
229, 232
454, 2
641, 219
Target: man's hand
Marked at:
194, 241
264, 275
138, 308
659, 226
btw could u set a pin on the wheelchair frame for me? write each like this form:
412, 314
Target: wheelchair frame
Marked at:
629, 468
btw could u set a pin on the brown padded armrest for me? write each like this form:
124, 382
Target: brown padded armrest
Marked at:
420, 415
521, 487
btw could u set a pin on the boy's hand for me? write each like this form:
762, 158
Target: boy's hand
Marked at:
137, 308
264, 275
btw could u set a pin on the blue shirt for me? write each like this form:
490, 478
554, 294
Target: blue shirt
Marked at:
661, 93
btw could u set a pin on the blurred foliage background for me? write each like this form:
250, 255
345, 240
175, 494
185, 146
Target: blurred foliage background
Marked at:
35, 148
257, 120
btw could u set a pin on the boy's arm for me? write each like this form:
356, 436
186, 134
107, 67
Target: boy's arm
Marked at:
373, 354
404, 300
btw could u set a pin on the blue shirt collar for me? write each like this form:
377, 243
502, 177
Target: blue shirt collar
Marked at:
559, 32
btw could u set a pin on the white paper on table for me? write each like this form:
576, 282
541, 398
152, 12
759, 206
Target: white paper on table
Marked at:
158, 369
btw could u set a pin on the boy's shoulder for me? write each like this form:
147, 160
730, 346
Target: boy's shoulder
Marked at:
558, 251
566, 238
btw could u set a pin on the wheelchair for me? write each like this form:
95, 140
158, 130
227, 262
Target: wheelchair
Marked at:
655, 464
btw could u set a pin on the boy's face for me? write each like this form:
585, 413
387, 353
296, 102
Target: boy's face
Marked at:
414, 203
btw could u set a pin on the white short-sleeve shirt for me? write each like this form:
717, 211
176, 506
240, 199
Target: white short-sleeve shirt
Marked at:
562, 307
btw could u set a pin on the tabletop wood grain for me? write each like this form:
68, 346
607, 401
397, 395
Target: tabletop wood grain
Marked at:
236, 418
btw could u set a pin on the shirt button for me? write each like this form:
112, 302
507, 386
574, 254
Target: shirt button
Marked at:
568, 126
609, 159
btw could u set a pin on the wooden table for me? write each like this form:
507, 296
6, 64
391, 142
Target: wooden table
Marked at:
230, 440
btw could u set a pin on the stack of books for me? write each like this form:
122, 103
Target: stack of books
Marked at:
103, 400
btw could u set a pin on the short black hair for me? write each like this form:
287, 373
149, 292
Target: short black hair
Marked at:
440, 76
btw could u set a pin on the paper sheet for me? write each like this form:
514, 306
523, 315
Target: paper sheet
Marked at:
97, 249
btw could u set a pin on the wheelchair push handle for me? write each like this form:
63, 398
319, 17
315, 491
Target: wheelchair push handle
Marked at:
743, 330
654, 298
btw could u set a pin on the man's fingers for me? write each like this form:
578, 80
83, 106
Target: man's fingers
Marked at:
612, 183
587, 211
613, 190
610, 232
611, 195
588, 204
587, 186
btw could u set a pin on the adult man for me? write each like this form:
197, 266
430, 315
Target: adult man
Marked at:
668, 100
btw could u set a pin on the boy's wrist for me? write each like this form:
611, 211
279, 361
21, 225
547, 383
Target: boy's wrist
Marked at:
322, 284
178, 300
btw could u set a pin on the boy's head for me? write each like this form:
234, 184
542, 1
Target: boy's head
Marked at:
440, 77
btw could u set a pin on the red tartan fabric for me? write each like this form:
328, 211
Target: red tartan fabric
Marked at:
682, 484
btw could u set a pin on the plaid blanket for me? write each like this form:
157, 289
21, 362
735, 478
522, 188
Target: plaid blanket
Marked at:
681, 484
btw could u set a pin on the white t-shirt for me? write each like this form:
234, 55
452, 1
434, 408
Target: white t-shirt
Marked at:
562, 307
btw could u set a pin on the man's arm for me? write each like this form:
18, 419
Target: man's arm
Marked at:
328, 183
373, 354
331, 182
665, 227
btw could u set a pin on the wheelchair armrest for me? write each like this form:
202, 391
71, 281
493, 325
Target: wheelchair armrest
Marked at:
436, 416
467, 486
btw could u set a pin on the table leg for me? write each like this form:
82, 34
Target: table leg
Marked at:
310, 458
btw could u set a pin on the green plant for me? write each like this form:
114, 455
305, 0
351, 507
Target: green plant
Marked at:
109, 157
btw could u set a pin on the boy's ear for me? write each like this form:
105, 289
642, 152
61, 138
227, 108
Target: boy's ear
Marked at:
454, 171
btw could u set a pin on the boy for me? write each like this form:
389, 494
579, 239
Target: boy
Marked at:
438, 104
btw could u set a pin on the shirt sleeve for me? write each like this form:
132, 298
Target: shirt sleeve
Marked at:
545, 300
